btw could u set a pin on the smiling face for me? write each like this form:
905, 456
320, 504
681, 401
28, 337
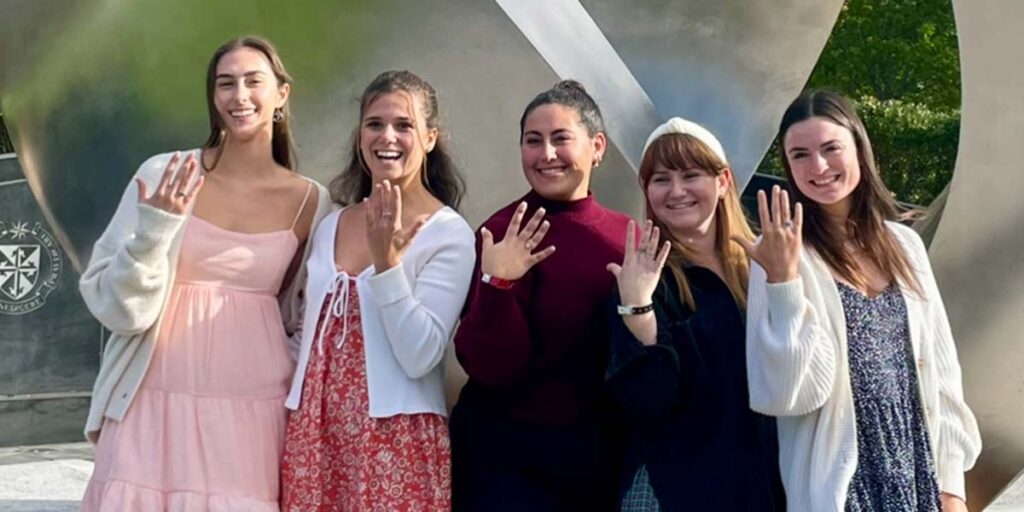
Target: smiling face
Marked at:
394, 142
245, 94
822, 158
686, 200
557, 152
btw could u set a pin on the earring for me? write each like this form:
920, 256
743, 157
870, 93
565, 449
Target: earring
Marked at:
597, 163
278, 115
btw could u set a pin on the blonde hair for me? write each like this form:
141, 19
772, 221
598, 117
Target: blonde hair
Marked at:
684, 151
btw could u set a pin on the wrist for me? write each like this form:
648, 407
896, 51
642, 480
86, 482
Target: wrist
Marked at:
497, 282
782, 277
643, 309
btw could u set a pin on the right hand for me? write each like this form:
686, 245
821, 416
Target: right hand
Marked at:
778, 251
641, 265
512, 257
173, 194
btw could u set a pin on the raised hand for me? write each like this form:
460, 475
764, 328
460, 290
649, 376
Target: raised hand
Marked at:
514, 255
641, 265
952, 503
778, 251
174, 194
386, 238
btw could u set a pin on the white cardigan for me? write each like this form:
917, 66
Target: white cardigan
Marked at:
408, 313
128, 281
798, 369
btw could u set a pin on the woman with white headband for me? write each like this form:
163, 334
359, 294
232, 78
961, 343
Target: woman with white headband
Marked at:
678, 343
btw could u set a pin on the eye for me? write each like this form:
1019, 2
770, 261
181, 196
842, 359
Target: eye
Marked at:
372, 123
224, 84
796, 155
660, 178
531, 141
252, 82
405, 125
835, 148
563, 138
690, 176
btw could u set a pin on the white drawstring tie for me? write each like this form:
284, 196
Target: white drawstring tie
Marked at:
338, 307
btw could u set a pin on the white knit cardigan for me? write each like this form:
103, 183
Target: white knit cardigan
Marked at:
127, 283
798, 369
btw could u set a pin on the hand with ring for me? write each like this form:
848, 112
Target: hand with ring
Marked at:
386, 238
178, 186
512, 257
778, 250
640, 271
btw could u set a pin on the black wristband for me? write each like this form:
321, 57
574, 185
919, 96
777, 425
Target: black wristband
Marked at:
635, 310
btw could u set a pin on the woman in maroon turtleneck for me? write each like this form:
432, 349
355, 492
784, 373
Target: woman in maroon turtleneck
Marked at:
531, 429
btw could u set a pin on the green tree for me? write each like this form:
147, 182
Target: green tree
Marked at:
898, 60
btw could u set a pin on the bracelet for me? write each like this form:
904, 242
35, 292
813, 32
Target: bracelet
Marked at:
497, 282
635, 310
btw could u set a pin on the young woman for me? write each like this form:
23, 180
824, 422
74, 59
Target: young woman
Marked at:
848, 341
188, 408
528, 431
678, 363
387, 278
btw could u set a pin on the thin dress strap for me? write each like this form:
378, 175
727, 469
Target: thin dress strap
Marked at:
298, 214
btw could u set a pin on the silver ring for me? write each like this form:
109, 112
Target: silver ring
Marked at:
529, 246
179, 194
788, 224
386, 214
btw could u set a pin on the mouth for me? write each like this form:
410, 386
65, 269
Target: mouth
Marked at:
387, 155
824, 182
551, 171
681, 206
242, 113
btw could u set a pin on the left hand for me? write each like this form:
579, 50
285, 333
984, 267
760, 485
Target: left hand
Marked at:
952, 503
642, 262
386, 238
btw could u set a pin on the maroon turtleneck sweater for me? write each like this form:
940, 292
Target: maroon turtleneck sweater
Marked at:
538, 351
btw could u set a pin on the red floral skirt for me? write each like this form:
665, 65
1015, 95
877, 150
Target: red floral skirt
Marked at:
338, 458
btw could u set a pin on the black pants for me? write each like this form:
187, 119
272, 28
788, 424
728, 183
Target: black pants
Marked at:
503, 465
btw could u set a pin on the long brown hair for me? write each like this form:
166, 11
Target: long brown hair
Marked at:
439, 176
282, 146
684, 151
871, 203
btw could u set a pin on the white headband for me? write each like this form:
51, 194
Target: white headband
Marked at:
680, 125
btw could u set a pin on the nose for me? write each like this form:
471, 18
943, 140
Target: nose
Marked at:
549, 152
390, 135
242, 92
819, 163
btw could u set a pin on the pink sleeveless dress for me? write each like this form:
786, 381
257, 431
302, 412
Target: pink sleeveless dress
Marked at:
206, 429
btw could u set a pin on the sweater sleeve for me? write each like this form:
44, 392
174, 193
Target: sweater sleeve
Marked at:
791, 360
644, 379
127, 276
419, 317
957, 441
493, 340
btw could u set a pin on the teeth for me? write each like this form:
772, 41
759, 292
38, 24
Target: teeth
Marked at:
388, 155
243, 113
680, 206
551, 171
826, 181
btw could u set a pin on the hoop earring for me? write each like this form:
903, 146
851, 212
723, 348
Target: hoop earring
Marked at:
278, 115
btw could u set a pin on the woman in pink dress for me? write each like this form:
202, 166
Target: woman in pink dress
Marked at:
387, 279
197, 276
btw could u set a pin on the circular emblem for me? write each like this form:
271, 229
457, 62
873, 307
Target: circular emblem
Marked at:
30, 267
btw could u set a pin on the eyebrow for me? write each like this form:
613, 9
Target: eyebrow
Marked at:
823, 144
556, 132
246, 75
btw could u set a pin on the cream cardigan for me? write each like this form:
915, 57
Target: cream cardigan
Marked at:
408, 313
798, 370
127, 283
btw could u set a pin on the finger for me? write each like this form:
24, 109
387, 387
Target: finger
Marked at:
376, 200
486, 238
652, 243
798, 218
517, 220
787, 214
141, 185
395, 206
538, 236
630, 239
415, 230
179, 177
191, 194
532, 226
747, 245
614, 269
368, 210
542, 255
776, 206
764, 218
645, 237
385, 199
666, 248
165, 179
186, 181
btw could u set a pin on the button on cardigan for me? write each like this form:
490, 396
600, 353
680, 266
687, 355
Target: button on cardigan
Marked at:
798, 369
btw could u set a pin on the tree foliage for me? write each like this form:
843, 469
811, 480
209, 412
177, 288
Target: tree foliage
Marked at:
5, 139
898, 60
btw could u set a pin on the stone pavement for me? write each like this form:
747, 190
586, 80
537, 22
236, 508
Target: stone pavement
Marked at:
52, 478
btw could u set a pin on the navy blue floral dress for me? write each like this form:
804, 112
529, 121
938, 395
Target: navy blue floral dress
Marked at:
894, 463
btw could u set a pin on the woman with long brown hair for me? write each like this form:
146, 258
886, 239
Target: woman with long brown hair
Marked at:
848, 340
677, 346
197, 277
